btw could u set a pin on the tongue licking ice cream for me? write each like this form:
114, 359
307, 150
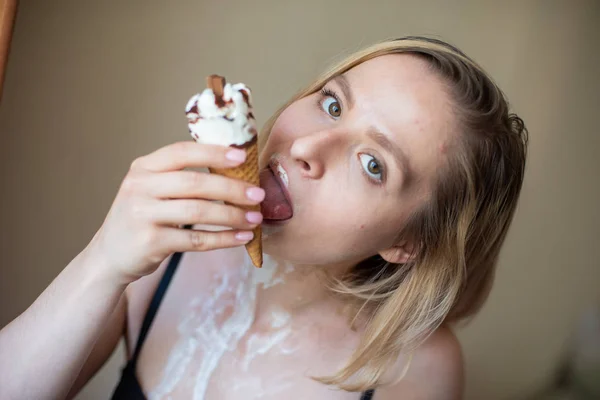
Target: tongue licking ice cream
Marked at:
276, 207
222, 115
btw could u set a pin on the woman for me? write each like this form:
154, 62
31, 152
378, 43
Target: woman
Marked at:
403, 167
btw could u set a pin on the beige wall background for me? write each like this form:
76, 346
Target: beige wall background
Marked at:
90, 85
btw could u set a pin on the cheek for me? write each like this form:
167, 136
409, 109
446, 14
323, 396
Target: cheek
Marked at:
353, 228
291, 122
297, 120
372, 223
370, 233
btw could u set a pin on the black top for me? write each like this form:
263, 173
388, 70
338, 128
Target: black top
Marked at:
129, 388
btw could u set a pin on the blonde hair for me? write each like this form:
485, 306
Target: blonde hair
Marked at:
459, 231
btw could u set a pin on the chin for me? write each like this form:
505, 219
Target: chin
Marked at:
272, 237
277, 242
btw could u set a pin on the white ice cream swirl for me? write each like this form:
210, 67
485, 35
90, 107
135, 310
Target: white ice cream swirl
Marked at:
227, 121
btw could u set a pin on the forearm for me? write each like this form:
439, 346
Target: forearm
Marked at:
43, 350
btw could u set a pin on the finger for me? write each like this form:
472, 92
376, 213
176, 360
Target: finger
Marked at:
187, 212
190, 154
199, 185
182, 240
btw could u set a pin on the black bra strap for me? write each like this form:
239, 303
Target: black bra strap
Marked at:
368, 395
155, 303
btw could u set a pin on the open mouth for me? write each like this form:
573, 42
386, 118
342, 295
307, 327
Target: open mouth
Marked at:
277, 205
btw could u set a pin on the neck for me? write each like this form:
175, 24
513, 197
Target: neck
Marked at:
294, 287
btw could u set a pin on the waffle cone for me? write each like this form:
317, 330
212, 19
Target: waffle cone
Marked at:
248, 172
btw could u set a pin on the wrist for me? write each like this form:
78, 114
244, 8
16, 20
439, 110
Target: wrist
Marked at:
99, 269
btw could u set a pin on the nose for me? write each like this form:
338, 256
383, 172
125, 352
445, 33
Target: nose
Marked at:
312, 152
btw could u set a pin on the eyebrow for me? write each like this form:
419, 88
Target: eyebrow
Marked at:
343, 83
394, 150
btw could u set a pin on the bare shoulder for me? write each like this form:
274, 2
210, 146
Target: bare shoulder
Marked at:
435, 372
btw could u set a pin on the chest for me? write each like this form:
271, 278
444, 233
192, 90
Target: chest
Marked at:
214, 339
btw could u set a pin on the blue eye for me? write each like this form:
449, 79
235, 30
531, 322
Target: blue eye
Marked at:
372, 166
331, 105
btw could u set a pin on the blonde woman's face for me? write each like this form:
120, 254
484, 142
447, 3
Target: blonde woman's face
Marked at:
358, 158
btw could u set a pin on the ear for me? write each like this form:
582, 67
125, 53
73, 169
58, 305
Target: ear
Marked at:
398, 254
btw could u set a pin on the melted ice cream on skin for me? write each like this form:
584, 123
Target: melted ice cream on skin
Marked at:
216, 324
226, 120
230, 331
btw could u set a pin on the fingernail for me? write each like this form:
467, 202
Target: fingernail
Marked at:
244, 236
237, 155
254, 217
255, 193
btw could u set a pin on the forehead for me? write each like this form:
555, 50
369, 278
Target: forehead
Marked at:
400, 96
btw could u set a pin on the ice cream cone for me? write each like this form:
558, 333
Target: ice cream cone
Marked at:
248, 172
222, 114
